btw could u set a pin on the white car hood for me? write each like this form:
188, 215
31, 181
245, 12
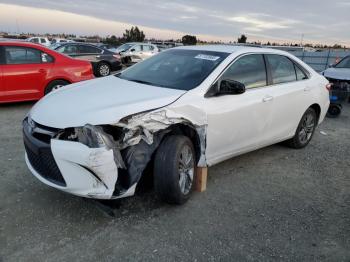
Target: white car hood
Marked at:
338, 73
99, 101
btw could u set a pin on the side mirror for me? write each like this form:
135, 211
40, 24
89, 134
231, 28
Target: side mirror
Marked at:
230, 87
331, 65
132, 50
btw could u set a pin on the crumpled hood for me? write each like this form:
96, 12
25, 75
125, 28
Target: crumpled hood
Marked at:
338, 73
99, 101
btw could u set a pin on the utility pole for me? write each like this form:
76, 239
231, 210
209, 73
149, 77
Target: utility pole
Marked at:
302, 40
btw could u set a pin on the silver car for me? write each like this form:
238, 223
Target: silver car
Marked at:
136, 52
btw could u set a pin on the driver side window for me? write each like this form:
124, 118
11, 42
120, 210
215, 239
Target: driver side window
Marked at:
249, 70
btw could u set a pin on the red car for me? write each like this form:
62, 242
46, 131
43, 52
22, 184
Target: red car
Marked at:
29, 71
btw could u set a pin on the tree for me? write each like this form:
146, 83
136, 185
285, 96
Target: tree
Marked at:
189, 40
134, 35
242, 39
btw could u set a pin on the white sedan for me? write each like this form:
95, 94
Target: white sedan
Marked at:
184, 108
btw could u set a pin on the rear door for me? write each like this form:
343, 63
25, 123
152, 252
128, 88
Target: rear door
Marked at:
24, 73
290, 91
89, 53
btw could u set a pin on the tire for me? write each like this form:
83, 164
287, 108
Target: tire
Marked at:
103, 69
55, 85
305, 130
334, 110
171, 170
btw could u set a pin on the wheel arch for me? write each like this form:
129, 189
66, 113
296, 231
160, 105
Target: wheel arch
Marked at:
190, 132
56, 79
317, 109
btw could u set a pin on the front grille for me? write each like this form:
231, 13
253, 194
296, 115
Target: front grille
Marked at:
45, 164
37, 145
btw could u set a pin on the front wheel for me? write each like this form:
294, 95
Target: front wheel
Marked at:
305, 130
174, 169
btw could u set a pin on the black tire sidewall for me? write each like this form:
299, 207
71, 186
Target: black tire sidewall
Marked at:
166, 175
296, 138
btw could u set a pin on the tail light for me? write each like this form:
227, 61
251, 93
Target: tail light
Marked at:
117, 56
329, 86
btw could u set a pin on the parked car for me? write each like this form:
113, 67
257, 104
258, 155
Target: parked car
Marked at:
29, 71
136, 52
60, 40
102, 60
40, 40
184, 108
339, 77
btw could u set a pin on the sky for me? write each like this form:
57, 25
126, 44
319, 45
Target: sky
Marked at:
321, 21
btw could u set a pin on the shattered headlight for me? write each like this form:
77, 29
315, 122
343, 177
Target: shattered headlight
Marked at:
92, 136
96, 137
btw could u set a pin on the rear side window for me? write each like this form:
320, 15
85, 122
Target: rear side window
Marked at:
282, 69
249, 70
22, 55
42, 40
85, 49
300, 74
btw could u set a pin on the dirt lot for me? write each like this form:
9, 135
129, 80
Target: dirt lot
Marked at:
270, 205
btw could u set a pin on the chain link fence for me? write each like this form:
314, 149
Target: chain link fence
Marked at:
320, 60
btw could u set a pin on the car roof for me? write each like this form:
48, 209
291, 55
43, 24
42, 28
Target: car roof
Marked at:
22, 43
231, 49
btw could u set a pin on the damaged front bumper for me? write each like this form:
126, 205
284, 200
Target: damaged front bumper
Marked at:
72, 166
103, 162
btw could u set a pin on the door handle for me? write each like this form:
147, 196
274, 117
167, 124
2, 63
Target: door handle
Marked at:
42, 71
307, 88
267, 98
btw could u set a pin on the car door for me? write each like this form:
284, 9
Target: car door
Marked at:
24, 73
89, 53
238, 123
136, 52
290, 89
147, 51
2, 62
70, 50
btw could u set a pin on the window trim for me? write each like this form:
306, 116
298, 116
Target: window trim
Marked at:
26, 47
267, 68
206, 95
294, 64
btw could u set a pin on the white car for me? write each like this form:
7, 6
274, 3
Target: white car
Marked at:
184, 108
136, 52
40, 40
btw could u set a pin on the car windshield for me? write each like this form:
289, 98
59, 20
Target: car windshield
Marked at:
124, 47
54, 46
176, 68
345, 63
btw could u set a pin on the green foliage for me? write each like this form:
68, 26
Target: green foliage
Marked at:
242, 39
133, 35
189, 40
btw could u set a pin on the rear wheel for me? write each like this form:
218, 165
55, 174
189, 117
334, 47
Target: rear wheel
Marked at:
54, 85
305, 130
103, 69
334, 110
174, 169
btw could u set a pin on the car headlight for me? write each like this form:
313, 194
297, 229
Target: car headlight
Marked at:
93, 136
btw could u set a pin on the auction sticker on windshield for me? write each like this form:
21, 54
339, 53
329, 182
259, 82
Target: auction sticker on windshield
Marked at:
207, 57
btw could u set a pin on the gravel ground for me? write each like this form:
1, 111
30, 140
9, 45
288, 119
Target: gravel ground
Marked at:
269, 205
